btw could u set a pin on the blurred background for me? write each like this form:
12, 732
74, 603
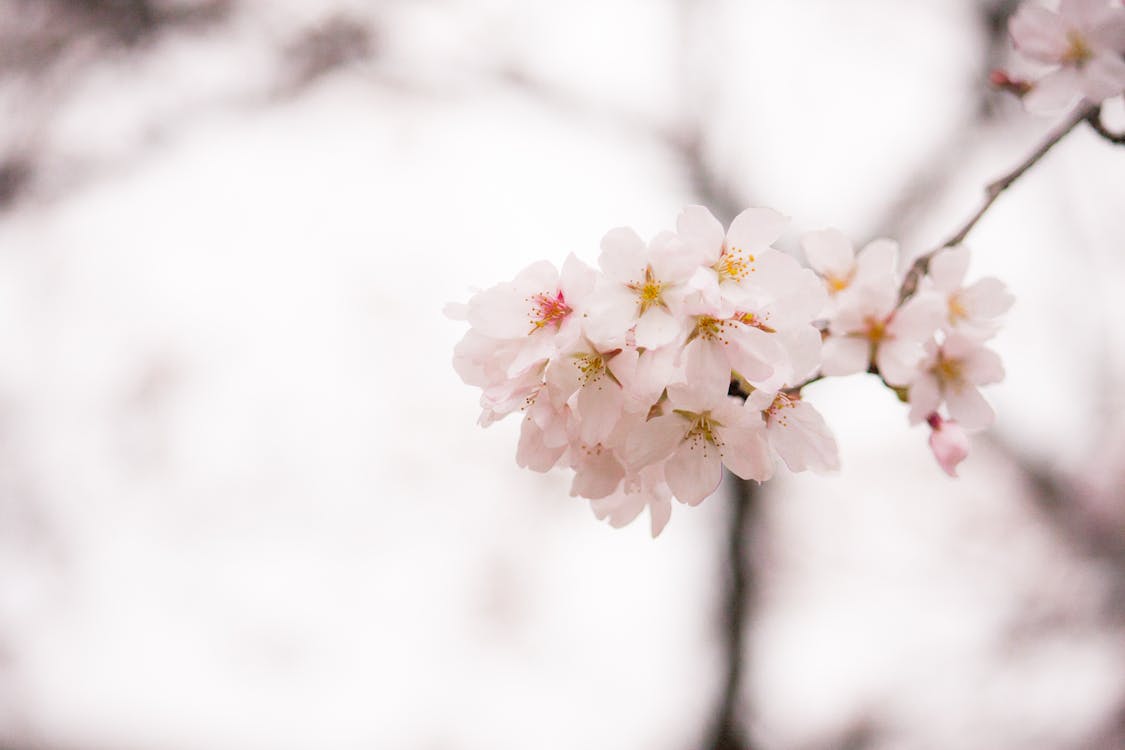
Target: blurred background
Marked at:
243, 499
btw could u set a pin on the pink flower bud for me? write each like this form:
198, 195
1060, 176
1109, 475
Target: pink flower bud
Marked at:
949, 443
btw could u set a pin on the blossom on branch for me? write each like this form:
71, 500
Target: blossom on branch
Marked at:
1081, 45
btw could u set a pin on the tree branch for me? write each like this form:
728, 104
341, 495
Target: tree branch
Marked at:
992, 192
1094, 118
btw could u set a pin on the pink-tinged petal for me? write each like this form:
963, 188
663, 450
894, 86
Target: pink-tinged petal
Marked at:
532, 453
754, 354
925, 397
656, 327
706, 366
967, 406
845, 355
876, 262
1103, 77
987, 298
1053, 92
698, 226
620, 508
624, 255
576, 280
694, 471
1039, 33
613, 311
982, 367
654, 440
746, 453
829, 252
756, 227
456, 311
803, 440
597, 475
660, 512
803, 346
1109, 33
950, 445
600, 403
948, 267
1085, 14
918, 318
898, 361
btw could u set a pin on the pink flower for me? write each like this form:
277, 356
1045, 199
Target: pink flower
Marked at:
972, 310
1083, 44
797, 433
949, 443
950, 374
642, 289
870, 326
646, 490
831, 254
701, 430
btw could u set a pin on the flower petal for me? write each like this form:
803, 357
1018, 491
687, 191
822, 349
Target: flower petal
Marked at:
694, 471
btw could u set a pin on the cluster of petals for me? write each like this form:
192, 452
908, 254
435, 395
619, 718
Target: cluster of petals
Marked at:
1080, 47
930, 347
686, 354
623, 373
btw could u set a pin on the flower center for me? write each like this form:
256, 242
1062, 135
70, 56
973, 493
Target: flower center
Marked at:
776, 412
957, 309
734, 265
837, 284
1079, 52
948, 370
876, 330
702, 428
650, 292
547, 310
591, 366
755, 321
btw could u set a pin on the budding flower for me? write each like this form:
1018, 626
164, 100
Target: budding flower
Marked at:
949, 443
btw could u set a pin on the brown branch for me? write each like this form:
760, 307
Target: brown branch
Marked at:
991, 193
1094, 119
726, 732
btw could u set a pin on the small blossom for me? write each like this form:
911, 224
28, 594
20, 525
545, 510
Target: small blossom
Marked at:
948, 442
1082, 43
972, 310
799, 435
951, 374
831, 254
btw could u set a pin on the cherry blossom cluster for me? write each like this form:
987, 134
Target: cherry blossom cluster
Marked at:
688, 353
1075, 51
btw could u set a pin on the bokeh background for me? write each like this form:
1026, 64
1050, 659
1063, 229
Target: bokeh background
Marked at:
243, 499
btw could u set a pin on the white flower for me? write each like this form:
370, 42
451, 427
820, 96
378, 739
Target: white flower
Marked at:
950, 374
972, 310
871, 327
647, 490
1083, 43
831, 254
642, 289
797, 433
702, 430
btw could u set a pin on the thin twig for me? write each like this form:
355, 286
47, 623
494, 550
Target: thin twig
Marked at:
1094, 118
991, 193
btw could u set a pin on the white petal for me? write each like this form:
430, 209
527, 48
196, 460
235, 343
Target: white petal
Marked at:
967, 406
654, 440
876, 261
829, 252
925, 397
600, 403
655, 328
1039, 33
801, 437
698, 226
844, 355
983, 367
898, 361
918, 318
1103, 77
947, 268
694, 471
746, 453
1053, 92
598, 476
624, 255
706, 366
532, 453
756, 227
659, 511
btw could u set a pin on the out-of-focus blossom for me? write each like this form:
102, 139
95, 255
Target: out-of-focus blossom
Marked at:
949, 443
1082, 43
950, 374
972, 310
833, 257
